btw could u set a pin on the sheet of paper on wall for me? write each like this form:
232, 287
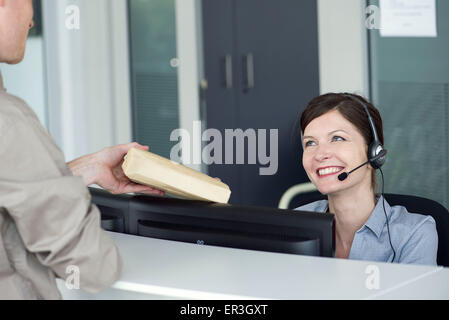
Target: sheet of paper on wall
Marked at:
408, 18
176, 179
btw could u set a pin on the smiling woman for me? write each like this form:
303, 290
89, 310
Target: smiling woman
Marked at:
356, 122
339, 132
328, 152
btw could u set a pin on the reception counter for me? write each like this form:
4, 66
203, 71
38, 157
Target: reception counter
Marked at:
164, 269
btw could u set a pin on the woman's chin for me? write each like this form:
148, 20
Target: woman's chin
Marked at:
329, 189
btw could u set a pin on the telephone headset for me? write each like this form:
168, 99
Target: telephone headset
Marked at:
376, 158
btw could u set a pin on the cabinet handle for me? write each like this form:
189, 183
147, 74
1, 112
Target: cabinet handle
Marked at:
228, 71
248, 63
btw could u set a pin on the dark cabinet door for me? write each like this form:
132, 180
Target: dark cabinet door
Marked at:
282, 38
220, 96
275, 66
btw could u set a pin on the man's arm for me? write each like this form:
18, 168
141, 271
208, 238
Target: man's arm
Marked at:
51, 210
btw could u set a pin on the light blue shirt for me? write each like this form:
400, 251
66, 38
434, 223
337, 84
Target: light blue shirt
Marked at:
414, 236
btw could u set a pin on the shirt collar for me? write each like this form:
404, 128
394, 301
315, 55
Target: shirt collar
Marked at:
375, 222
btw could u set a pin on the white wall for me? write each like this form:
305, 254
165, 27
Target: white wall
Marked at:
26, 79
342, 46
190, 70
88, 75
89, 80
89, 100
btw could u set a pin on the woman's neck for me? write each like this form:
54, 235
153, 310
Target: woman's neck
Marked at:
352, 209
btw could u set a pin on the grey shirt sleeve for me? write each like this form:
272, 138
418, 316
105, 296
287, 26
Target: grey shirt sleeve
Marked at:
50, 207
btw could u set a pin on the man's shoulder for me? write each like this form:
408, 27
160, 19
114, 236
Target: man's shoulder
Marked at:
12, 110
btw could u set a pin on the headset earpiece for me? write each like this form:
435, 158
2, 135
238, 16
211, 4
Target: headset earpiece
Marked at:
373, 150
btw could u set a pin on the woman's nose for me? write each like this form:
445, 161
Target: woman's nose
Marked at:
323, 153
31, 24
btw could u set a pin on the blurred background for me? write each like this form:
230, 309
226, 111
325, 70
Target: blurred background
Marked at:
135, 70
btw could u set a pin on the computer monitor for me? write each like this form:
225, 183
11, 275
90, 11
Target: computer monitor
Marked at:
205, 223
114, 209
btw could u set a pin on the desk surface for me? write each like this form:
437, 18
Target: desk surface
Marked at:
168, 269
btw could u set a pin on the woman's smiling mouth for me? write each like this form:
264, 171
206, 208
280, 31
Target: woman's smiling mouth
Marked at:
328, 171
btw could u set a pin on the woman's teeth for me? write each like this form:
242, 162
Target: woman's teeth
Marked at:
327, 171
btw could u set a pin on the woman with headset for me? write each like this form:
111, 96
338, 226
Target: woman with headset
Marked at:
342, 142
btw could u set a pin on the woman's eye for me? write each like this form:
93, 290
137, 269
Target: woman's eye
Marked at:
338, 138
308, 143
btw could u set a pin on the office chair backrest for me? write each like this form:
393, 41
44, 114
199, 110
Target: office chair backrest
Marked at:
413, 204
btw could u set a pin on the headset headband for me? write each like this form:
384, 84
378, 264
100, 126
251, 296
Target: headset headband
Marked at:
370, 119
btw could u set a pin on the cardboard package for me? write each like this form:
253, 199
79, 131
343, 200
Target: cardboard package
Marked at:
152, 170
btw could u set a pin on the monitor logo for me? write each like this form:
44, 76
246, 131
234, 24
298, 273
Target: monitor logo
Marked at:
200, 242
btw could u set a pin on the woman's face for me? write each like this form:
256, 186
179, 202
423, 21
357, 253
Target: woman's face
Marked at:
333, 145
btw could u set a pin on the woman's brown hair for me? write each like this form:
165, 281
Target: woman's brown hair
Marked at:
352, 111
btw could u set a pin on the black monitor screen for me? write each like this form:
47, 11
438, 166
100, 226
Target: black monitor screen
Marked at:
204, 223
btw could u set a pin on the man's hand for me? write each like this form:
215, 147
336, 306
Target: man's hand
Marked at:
104, 168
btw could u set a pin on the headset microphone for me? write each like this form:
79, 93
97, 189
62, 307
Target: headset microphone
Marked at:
344, 175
